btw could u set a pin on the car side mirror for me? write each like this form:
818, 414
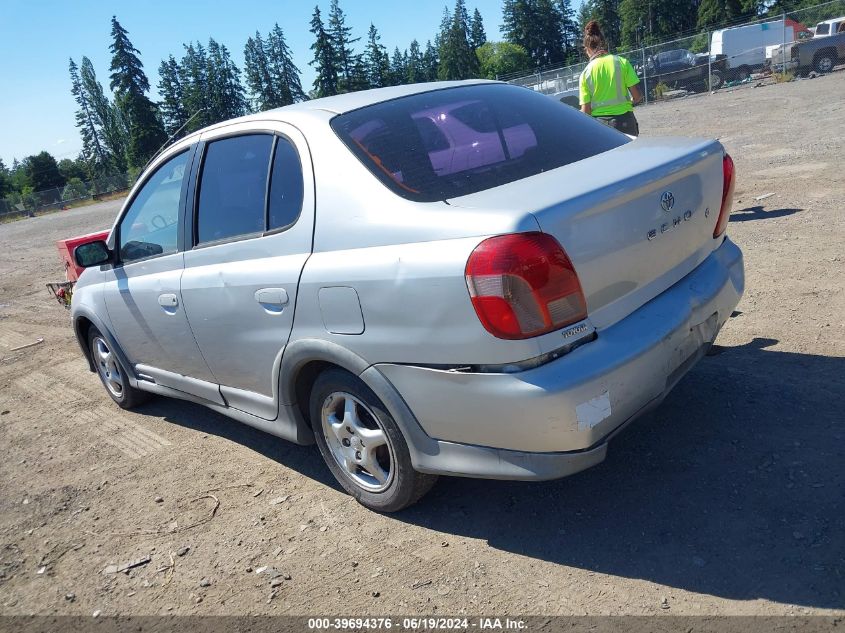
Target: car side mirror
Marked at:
92, 254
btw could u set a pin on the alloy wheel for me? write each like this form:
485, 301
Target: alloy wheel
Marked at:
108, 367
357, 442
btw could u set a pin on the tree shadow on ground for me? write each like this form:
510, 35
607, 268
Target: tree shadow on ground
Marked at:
733, 487
759, 213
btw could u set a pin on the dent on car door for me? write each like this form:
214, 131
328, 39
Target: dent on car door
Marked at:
142, 288
252, 233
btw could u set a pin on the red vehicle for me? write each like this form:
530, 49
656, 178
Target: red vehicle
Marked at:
63, 290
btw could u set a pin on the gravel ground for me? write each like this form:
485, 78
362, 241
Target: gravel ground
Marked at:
728, 499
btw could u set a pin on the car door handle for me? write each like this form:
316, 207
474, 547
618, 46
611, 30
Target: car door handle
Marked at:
276, 297
168, 301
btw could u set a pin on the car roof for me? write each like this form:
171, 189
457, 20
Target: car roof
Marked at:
339, 104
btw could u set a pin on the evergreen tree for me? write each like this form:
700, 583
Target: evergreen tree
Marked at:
376, 60
342, 40
651, 21
285, 77
606, 12
5, 180
172, 105
90, 128
457, 59
325, 58
226, 93
538, 27
716, 13
195, 91
430, 61
257, 74
398, 68
42, 172
107, 117
130, 86
477, 36
569, 31
415, 68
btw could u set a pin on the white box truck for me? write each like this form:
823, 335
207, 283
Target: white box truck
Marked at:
745, 46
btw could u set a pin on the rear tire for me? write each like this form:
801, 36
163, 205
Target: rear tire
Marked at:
824, 62
112, 373
362, 445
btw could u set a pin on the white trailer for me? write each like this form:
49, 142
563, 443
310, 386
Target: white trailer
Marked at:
745, 46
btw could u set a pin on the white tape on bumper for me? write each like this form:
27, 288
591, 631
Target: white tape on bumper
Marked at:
593, 411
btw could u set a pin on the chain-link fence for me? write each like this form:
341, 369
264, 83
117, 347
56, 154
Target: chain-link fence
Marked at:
778, 48
74, 191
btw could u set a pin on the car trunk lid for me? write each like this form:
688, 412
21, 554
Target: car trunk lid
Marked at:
634, 220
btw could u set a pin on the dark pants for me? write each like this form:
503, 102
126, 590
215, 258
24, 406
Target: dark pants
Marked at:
626, 123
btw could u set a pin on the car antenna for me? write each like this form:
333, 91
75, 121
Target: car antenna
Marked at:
170, 140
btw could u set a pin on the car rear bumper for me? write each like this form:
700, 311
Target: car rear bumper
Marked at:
556, 419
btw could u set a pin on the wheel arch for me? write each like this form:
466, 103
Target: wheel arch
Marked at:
83, 321
304, 360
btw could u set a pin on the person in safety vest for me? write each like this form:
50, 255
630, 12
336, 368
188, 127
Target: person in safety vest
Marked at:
606, 82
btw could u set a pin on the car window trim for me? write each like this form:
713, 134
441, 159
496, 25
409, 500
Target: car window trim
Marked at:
196, 181
118, 262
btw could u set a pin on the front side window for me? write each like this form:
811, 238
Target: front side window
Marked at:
233, 187
150, 226
448, 143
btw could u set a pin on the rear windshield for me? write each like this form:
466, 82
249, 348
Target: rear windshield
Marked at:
453, 142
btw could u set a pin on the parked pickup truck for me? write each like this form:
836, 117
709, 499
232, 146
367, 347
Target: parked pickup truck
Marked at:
680, 68
820, 54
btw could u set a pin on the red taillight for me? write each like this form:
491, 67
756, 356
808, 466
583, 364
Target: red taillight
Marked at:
524, 285
728, 183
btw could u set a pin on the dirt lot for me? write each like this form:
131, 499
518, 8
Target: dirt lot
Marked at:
729, 499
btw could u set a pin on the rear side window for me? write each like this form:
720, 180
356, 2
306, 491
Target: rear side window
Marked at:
233, 187
453, 142
286, 186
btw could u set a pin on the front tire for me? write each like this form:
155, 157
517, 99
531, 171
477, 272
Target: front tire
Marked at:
112, 373
362, 445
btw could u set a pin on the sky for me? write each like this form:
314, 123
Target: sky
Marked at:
38, 36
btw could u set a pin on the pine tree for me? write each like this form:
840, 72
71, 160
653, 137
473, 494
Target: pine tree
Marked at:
398, 68
93, 150
606, 12
650, 21
226, 94
257, 74
716, 13
477, 36
430, 61
376, 60
538, 27
130, 86
43, 173
285, 77
195, 92
325, 58
172, 105
569, 31
415, 69
107, 117
342, 40
457, 59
